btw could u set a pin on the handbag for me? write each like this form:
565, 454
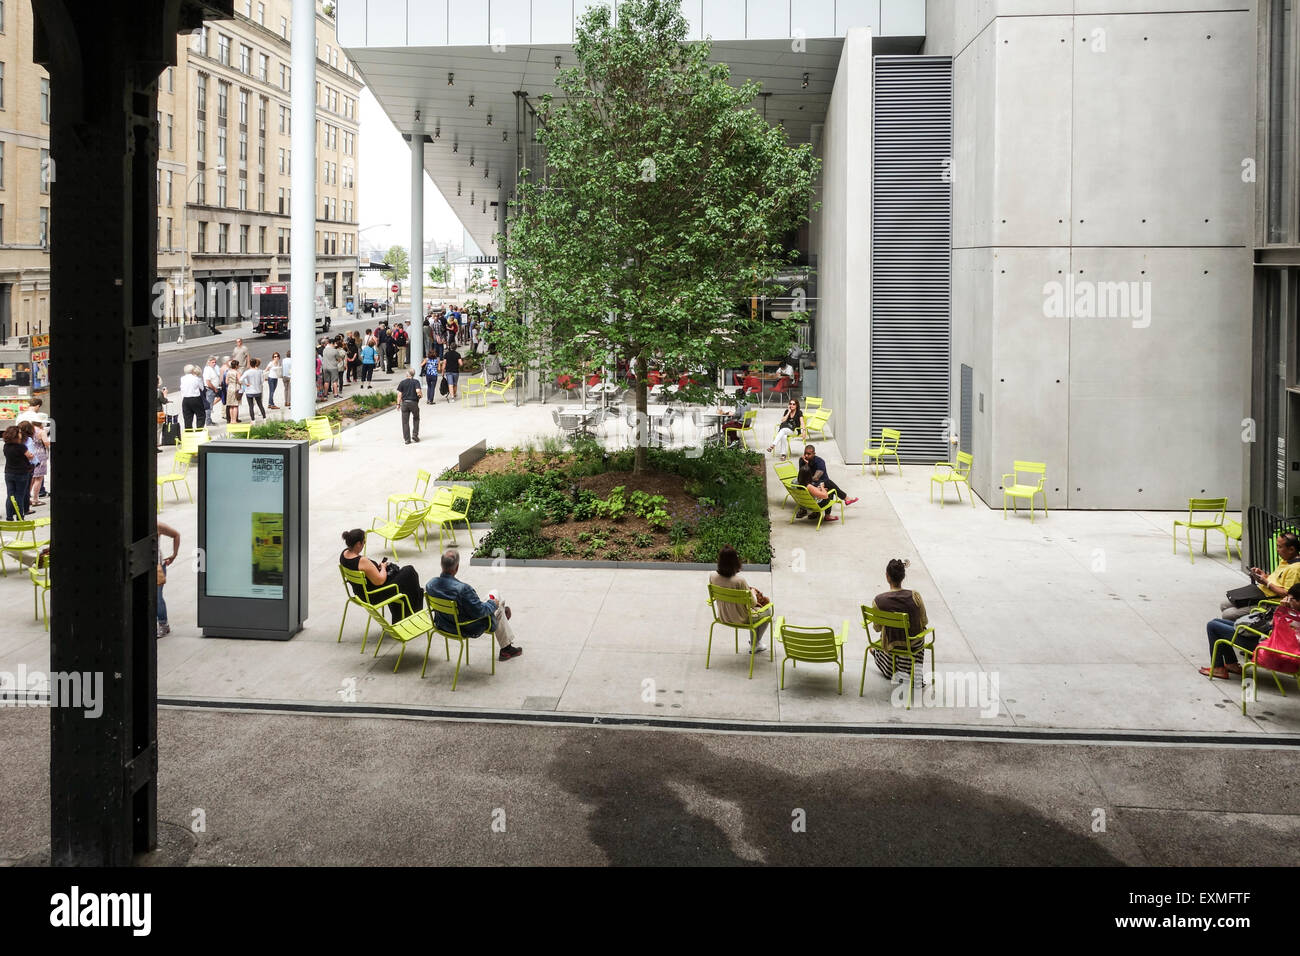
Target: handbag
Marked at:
171, 432
443, 388
1245, 596
1284, 637
162, 416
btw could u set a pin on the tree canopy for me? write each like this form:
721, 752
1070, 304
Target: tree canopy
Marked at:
399, 264
662, 206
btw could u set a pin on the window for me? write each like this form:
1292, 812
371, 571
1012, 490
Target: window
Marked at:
202, 195
170, 143
282, 161
223, 101
44, 226
248, 9
243, 149
2, 86
263, 66
261, 238
201, 39
2, 165
45, 171
284, 28
2, 225
243, 107
171, 79
245, 59
284, 76
243, 239
223, 49
169, 232
2, 17
170, 176
281, 206
283, 246
243, 193
325, 209
201, 94
261, 198
282, 119
221, 144
261, 115
223, 237
201, 137
221, 189
202, 244
261, 14
45, 100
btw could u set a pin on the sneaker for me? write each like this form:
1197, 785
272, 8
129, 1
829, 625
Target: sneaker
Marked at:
416, 439
408, 441
166, 628
509, 651
760, 648
850, 501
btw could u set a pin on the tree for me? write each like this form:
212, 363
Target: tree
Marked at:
661, 208
439, 273
399, 267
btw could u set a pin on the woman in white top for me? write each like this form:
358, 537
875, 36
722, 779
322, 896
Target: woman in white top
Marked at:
273, 369
251, 380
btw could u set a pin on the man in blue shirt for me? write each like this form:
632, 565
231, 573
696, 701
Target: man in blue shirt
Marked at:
812, 474
475, 616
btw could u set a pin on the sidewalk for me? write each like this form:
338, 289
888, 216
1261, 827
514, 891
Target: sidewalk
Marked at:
1081, 620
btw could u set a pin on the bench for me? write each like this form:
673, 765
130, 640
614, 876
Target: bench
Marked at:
321, 430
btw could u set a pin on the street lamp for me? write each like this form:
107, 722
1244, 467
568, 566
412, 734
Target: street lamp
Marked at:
180, 337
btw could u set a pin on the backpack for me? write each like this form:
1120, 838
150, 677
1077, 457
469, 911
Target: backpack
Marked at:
1285, 637
400, 336
442, 386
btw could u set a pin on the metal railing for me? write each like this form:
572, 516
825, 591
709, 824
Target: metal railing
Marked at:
1262, 529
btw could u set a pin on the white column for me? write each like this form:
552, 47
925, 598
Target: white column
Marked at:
302, 172
416, 257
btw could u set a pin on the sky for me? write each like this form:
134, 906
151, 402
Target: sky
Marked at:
385, 186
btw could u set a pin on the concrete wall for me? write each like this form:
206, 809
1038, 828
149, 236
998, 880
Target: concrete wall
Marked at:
843, 241
1095, 147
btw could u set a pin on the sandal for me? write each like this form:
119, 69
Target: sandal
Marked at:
1220, 673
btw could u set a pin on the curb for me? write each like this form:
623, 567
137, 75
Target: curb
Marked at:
482, 562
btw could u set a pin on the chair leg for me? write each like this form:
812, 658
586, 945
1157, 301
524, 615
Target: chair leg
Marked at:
1187, 536
455, 678
862, 684
709, 650
399, 657
342, 622
783, 660
366, 636
428, 645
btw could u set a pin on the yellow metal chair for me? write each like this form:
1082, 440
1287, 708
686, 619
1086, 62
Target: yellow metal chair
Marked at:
500, 388
786, 472
803, 499
915, 657
1017, 491
1203, 515
887, 447
946, 473
442, 606
811, 404
452, 508
407, 629
475, 388
744, 598
746, 427
816, 423
40, 575
407, 524
812, 645
239, 429
1231, 533
179, 475
320, 430
192, 438
417, 497
12, 543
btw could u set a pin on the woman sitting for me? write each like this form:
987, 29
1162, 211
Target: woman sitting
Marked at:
385, 578
728, 576
909, 602
1223, 661
792, 423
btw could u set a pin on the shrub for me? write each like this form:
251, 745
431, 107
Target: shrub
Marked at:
584, 509
643, 540
494, 492
279, 431
515, 532
745, 531
370, 403
663, 554
451, 474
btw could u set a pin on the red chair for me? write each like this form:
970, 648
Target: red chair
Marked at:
593, 379
656, 377
566, 382
782, 386
685, 381
753, 385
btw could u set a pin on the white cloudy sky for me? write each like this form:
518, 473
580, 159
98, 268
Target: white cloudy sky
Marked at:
385, 185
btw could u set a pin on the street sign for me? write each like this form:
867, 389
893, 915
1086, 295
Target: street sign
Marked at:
395, 288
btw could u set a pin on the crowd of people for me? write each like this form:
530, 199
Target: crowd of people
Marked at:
27, 458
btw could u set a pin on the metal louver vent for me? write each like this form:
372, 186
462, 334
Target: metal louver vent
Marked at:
911, 255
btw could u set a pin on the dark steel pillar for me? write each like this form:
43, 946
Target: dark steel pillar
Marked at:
104, 57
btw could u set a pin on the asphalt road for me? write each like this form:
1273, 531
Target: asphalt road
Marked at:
320, 790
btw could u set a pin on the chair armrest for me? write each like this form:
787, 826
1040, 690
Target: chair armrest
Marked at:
945, 464
928, 630
1012, 475
843, 635
374, 525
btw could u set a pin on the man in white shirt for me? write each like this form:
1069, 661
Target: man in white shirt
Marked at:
286, 371
192, 404
211, 388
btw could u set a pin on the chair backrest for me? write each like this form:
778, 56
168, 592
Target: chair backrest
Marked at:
818, 419
411, 520
181, 462
437, 606
319, 428
813, 644
192, 438
787, 471
17, 527
964, 463
805, 500
238, 430
1213, 506
461, 496
1038, 468
555, 416
887, 619
742, 597
750, 417
889, 438
811, 404
422, 479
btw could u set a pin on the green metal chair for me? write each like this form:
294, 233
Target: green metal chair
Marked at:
239, 429
500, 388
946, 473
805, 500
815, 422
452, 508
1017, 491
746, 427
417, 497
192, 438
407, 524
441, 606
786, 472
40, 575
741, 597
180, 474
1231, 533
15, 545
811, 403
887, 447
1203, 515
1250, 666
812, 645
403, 631
915, 658
475, 388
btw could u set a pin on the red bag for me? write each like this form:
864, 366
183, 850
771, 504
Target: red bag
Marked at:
1285, 637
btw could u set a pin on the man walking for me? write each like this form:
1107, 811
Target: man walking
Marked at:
211, 388
239, 353
329, 358
408, 390
450, 367
475, 616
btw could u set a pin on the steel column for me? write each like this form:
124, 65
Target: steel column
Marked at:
302, 231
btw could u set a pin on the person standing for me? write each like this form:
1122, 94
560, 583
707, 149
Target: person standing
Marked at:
354, 357
192, 401
239, 353
232, 393
368, 364
382, 343
18, 474
251, 381
211, 388
35, 441
408, 390
329, 360
401, 338
390, 350
340, 365
274, 368
451, 368
163, 564
431, 375
285, 373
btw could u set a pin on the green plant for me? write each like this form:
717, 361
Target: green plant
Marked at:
375, 402
584, 536
515, 531
643, 540
452, 474
658, 519
567, 548
589, 552
747, 532
584, 508
616, 554
279, 431
679, 532
680, 552
614, 507
663, 554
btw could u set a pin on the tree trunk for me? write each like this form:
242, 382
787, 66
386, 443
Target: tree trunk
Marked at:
642, 418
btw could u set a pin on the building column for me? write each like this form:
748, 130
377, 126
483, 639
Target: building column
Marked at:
104, 59
302, 257
416, 257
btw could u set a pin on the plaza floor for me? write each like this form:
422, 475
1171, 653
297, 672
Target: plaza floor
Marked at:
1083, 620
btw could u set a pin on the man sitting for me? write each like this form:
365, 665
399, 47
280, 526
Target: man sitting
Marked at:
475, 616
812, 475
